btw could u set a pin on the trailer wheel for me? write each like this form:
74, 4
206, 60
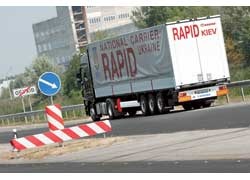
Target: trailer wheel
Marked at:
152, 104
110, 109
132, 112
206, 104
160, 102
196, 105
144, 105
187, 107
93, 115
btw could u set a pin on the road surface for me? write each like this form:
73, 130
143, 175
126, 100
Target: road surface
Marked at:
212, 133
220, 117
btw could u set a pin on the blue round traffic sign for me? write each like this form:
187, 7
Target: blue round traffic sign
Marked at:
49, 83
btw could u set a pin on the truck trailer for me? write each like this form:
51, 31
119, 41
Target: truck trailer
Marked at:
154, 69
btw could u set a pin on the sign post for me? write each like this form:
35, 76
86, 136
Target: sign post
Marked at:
25, 91
49, 84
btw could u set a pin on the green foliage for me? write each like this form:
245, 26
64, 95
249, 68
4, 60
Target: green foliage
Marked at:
5, 94
236, 25
235, 22
70, 87
234, 54
38, 67
239, 73
155, 15
8, 106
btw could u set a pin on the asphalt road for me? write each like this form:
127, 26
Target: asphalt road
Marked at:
224, 166
221, 117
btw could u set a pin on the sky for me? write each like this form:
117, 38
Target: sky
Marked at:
17, 44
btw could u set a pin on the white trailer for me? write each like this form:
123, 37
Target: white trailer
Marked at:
154, 69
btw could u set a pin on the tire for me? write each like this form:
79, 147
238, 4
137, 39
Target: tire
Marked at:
144, 105
152, 104
196, 105
206, 104
93, 115
187, 107
110, 109
132, 112
160, 102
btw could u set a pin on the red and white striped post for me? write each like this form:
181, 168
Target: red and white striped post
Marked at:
60, 136
54, 116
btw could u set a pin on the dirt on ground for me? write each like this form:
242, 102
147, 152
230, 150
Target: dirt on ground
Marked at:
60, 149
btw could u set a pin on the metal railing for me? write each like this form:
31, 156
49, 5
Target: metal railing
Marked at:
241, 84
68, 112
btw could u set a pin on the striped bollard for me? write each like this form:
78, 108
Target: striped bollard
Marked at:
54, 116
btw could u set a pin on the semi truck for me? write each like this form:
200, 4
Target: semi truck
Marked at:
154, 69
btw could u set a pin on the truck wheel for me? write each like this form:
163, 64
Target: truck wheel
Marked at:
152, 104
132, 112
93, 115
196, 105
160, 103
144, 105
187, 107
206, 104
110, 110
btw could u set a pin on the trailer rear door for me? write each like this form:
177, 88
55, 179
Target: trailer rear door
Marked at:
197, 51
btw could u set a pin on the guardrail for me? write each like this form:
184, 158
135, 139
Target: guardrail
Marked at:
77, 111
241, 84
68, 112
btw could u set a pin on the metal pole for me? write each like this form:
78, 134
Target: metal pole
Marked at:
242, 94
23, 105
30, 104
74, 113
228, 100
51, 100
31, 109
24, 111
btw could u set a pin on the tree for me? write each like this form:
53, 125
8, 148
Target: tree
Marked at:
155, 15
70, 87
236, 25
4, 92
32, 73
234, 55
20, 81
38, 67
235, 22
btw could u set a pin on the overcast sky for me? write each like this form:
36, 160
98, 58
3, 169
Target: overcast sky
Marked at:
17, 44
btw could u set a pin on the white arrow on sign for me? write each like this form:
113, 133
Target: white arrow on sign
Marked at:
53, 86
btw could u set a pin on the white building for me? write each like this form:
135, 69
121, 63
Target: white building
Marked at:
74, 27
112, 19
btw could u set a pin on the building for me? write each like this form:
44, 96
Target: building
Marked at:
55, 38
112, 19
74, 27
